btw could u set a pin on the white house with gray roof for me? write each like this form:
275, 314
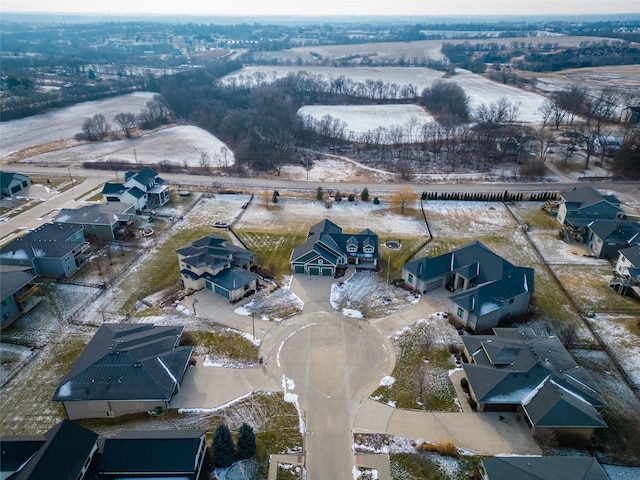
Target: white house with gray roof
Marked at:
214, 264
606, 237
485, 287
519, 371
145, 189
627, 271
52, 250
328, 248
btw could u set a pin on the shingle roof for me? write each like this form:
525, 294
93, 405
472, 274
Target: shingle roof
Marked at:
536, 372
63, 451
232, 278
11, 282
152, 452
616, 231
127, 362
47, 241
632, 254
586, 196
111, 188
543, 468
96, 214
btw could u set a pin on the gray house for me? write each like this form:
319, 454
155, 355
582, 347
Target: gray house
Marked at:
65, 452
542, 468
19, 293
52, 250
485, 287
212, 263
145, 189
516, 370
12, 183
105, 221
153, 454
606, 237
328, 248
125, 368
580, 206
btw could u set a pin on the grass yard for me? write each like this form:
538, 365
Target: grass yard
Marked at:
395, 259
225, 344
272, 249
532, 214
159, 272
423, 466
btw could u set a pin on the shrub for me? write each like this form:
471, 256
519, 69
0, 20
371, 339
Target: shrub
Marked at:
351, 197
464, 383
376, 201
364, 194
446, 448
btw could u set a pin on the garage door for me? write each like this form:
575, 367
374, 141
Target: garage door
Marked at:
327, 271
314, 271
298, 269
222, 291
433, 285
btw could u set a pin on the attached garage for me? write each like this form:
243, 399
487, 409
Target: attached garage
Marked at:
327, 271
222, 291
314, 270
433, 285
298, 269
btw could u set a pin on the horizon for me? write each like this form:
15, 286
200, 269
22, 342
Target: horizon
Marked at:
326, 8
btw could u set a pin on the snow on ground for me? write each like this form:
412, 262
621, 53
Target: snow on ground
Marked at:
183, 145
12, 356
335, 169
216, 208
451, 219
616, 472
387, 381
367, 295
365, 119
276, 306
478, 88
555, 251
353, 216
64, 123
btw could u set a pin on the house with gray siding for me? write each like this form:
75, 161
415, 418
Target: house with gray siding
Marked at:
516, 370
485, 288
327, 248
212, 263
606, 237
102, 221
580, 206
19, 293
125, 368
145, 189
13, 183
52, 250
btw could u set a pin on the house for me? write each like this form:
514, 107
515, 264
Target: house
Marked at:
145, 189
52, 250
19, 293
579, 206
212, 263
606, 237
64, 452
327, 248
627, 271
607, 144
12, 183
153, 454
542, 468
516, 370
631, 115
485, 287
104, 221
125, 368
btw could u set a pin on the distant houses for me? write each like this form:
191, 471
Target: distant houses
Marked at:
145, 189
485, 288
212, 263
327, 248
516, 370
125, 368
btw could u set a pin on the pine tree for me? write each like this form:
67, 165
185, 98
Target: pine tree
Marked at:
246, 442
364, 194
223, 448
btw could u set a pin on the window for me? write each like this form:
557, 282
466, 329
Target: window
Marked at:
6, 301
511, 301
460, 313
410, 278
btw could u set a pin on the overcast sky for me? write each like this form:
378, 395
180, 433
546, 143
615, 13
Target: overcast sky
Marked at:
326, 7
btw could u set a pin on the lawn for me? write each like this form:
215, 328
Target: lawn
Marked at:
223, 343
273, 249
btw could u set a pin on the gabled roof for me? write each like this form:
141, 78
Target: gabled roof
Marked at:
7, 177
536, 372
632, 254
96, 214
214, 250
616, 231
47, 241
585, 196
152, 452
144, 176
111, 188
543, 468
136, 192
232, 278
325, 226
127, 362
12, 281
62, 451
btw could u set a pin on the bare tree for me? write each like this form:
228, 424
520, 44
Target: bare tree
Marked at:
401, 197
95, 128
127, 122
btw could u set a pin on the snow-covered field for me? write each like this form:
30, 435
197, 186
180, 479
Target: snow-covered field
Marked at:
182, 145
479, 89
64, 123
363, 119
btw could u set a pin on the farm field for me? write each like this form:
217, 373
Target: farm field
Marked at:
181, 146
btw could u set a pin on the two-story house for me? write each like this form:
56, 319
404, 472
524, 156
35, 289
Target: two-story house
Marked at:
145, 189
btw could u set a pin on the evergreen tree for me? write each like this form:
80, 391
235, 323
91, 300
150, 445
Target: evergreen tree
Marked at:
246, 442
364, 194
223, 448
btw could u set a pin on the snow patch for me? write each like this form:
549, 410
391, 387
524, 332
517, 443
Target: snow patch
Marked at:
387, 381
